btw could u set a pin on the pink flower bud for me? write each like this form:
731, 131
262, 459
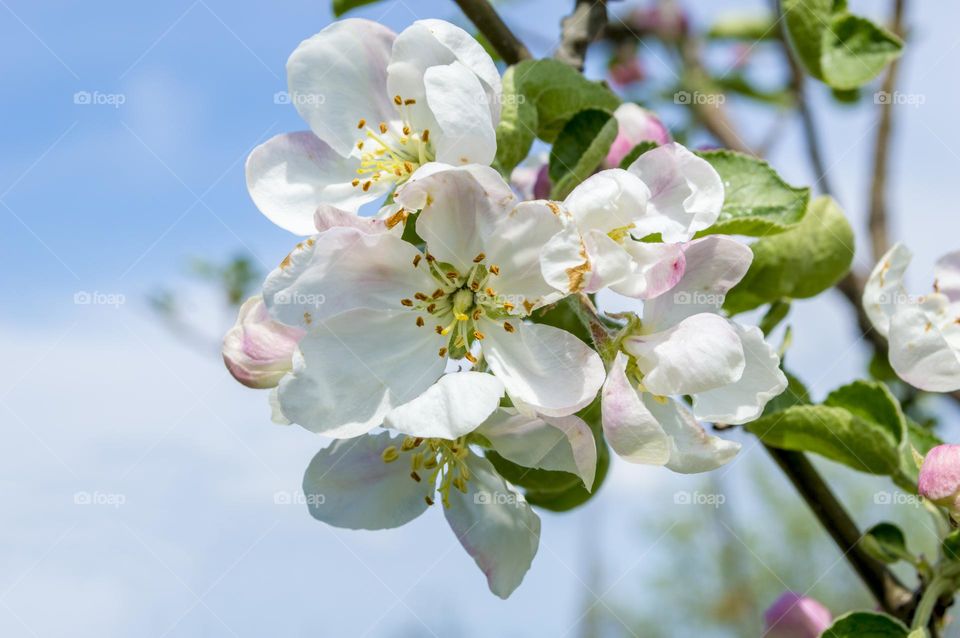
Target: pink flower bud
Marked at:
258, 351
626, 71
940, 477
796, 616
532, 180
636, 125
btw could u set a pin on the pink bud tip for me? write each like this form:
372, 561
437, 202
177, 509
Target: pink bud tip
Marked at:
796, 616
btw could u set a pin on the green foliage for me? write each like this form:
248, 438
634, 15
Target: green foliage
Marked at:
636, 152
750, 28
860, 425
843, 50
539, 98
866, 624
757, 201
342, 6
799, 263
951, 546
582, 144
886, 543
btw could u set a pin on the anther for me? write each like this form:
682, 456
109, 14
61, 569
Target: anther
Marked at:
479, 258
442, 352
419, 322
406, 302
361, 123
409, 101
415, 476
477, 313
355, 182
416, 261
431, 308
420, 296
469, 357
406, 130
478, 335
508, 326
437, 293
360, 145
428, 500
383, 127
366, 185
495, 269
397, 100
389, 454
425, 136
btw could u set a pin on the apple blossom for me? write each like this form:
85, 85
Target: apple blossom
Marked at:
258, 351
386, 320
684, 347
635, 124
793, 615
378, 482
667, 190
923, 332
939, 479
379, 105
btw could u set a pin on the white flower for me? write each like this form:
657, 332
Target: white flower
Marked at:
635, 124
379, 482
379, 105
384, 318
667, 190
924, 332
683, 347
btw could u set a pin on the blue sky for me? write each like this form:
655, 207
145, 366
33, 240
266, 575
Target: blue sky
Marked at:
110, 200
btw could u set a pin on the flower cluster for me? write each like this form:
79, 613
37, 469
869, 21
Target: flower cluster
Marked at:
414, 336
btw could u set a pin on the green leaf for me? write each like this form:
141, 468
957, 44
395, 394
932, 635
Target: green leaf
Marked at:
806, 20
753, 28
342, 6
860, 425
951, 546
886, 543
756, 201
922, 440
866, 624
582, 144
776, 313
799, 263
795, 394
636, 152
739, 84
540, 97
854, 50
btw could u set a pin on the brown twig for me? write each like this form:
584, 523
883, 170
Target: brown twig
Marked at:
883, 584
482, 14
579, 29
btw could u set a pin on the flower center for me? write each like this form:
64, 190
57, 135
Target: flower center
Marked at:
460, 301
440, 462
392, 151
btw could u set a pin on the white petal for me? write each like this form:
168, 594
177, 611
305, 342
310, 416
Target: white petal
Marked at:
496, 527
693, 450
544, 367
464, 133
453, 406
714, 265
349, 485
654, 269
563, 444
700, 353
686, 192
342, 269
564, 262
884, 290
276, 413
258, 350
356, 367
609, 263
947, 273
744, 399
339, 76
925, 344
327, 217
609, 200
629, 427
289, 175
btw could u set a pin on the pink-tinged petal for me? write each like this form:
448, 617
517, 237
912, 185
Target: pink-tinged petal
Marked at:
453, 406
884, 291
563, 444
628, 426
743, 400
496, 527
545, 368
635, 125
686, 192
793, 615
349, 485
339, 76
625, 72
611, 200
654, 269
290, 175
341, 269
258, 351
947, 273
327, 217
692, 450
700, 353
940, 477
713, 265
925, 344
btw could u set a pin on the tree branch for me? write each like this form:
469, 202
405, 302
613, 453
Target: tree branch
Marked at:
885, 587
579, 29
482, 14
